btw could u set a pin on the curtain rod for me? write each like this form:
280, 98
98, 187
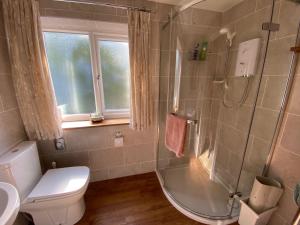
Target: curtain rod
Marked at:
105, 4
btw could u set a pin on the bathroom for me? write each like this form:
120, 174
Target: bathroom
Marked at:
238, 127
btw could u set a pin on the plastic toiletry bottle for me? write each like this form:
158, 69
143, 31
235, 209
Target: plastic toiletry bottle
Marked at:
203, 51
196, 52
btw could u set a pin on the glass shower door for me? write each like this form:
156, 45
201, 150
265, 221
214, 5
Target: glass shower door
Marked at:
204, 181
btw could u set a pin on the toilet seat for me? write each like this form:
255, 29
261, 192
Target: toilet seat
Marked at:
60, 183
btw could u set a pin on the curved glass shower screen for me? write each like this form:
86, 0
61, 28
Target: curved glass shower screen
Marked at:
198, 81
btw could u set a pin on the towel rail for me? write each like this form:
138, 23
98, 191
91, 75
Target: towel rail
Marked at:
189, 121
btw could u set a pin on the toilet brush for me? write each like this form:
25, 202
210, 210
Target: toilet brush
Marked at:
297, 201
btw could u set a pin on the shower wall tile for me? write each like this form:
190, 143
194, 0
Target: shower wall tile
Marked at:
243, 118
185, 17
264, 123
257, 153
238, 11
274, 90
290, 138
288, 18
205, 17
263, 3
279, 56
249, 27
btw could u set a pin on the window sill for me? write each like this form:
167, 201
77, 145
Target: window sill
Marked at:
88, 124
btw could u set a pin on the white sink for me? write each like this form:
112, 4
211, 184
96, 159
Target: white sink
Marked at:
9, 203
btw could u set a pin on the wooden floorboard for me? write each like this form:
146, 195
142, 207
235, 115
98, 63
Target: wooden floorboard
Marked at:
134, 200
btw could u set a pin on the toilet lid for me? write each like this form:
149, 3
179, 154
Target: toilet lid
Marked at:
60, 182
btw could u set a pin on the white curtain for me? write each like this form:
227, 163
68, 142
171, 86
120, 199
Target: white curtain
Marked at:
139, 24
30, 72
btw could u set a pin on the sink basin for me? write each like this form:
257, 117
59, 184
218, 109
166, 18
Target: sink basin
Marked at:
9, 203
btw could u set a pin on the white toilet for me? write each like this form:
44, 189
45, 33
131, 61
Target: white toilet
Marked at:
55, 198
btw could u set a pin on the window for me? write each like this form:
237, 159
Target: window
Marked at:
90, 72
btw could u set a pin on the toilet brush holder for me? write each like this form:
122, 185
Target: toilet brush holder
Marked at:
249, 217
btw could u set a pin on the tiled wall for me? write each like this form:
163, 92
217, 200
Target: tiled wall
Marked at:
94, 147
285, 164
11, 126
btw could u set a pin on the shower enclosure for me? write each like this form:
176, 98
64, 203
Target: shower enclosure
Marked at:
232, 120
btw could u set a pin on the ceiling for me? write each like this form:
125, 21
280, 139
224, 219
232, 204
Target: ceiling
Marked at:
214, 5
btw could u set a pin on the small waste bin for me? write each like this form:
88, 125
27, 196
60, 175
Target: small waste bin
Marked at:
265, 194
249, 217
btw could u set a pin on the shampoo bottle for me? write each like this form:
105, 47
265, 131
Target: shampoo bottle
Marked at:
203, 51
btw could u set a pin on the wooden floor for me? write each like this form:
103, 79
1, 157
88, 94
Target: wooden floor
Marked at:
135, 200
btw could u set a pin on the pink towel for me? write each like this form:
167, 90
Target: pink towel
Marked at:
175, 134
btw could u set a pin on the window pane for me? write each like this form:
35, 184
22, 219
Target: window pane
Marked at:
114, 61
69, 58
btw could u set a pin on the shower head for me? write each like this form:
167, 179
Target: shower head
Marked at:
229, 35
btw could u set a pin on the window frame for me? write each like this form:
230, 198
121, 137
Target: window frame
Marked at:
105, 37
96, 74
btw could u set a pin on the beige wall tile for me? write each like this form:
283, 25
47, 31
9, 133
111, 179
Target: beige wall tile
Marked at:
288, 18
274, 92
205, 17
263, 3
277, 220
249, 27
290, 138
264, 123
287, 207
65, 160
285, 166
147, 167
238, 11
11, 130
294, 100
139, 153
106, 158
279, 56
7, 92
99, 175
123, 171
